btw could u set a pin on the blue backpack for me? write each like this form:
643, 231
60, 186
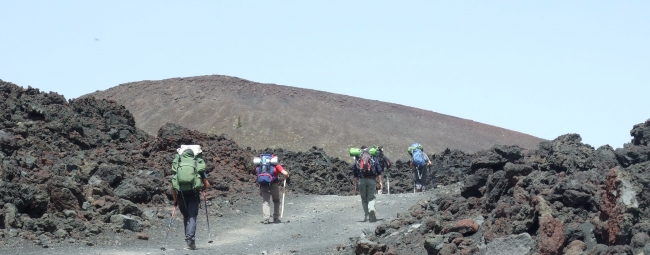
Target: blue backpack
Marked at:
418, 155
265, 170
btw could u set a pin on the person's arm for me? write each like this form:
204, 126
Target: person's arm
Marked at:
378, 169
379, 176
280, 169
381, 182
174, 196
206, 183
428, 160
355, 180
204, 179
388, 164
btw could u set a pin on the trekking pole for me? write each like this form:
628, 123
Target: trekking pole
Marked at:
419, 178
413, 181
205, 200
168, 228
388, 184
433, 186
284, 191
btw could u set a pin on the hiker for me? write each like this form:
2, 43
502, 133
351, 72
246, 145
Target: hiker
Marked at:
384, 162
366, 170
419, 163
267, 171
188, 180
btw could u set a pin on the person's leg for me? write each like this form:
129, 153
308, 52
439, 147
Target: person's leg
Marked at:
266, 198
415, 179
193, 212
363, 190
182, 207
370, 197
423, 170
275, 194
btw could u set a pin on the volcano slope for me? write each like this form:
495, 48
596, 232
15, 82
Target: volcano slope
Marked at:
261, 115
78, 175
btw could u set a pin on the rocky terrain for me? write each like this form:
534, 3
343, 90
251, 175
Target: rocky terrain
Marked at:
564, 197
79, 172
75, 171
252, 114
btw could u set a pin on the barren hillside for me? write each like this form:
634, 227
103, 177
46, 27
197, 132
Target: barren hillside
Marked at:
262, 116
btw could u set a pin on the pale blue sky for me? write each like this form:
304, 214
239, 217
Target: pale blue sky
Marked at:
544, 68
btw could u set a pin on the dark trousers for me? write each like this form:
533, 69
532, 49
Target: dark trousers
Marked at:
420, 177
189, 207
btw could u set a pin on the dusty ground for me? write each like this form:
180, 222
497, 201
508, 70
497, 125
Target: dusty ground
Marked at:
312, 225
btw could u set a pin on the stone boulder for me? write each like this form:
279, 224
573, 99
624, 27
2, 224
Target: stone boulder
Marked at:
576, 247
551, 236
112, 174
433, 244
10, 216
365, 246
473, 183
30, 199
496, 157
566, 154
126, 222
632, 154
465, 227
520, 244
641, 133
131, 190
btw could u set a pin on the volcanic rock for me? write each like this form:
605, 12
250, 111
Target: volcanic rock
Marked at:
515, 244
465, 227
126, 222
10, 213
641, 134
575, 248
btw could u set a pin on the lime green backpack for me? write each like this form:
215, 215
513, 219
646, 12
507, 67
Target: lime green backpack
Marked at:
188, 166
356, 152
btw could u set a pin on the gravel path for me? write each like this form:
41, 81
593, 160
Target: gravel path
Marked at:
312, 224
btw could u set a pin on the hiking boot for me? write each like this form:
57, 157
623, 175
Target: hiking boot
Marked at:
277, 220
265, 221
365, 218
373, 217
190, 245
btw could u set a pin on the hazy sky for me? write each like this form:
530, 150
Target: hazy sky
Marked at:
544, 68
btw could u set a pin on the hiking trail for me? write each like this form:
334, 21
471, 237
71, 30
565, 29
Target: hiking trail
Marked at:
312, 224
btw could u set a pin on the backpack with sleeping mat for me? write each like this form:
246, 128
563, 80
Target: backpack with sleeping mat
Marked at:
364, 160
265, 168
188, 166
417, 154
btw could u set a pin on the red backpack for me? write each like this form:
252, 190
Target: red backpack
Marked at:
364, 163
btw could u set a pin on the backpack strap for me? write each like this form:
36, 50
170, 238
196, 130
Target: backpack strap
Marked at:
196, 172
195, 165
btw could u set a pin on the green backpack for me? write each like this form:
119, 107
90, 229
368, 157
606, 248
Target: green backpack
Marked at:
188, 167
354, 152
